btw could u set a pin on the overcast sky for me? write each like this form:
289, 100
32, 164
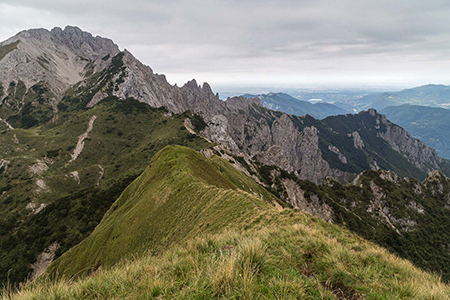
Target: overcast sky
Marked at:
262, 42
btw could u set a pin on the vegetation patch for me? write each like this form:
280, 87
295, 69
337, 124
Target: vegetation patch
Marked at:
4, 50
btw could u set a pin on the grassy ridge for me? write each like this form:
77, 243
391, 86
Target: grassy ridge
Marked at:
181, 195
220, 241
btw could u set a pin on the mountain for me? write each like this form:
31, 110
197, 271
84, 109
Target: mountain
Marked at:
428, 95
37, 66
69, 149
339, 147
429, 124
244, 125
205, 230
397, 213
288, 104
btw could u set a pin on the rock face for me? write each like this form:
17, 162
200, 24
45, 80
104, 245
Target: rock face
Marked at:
82, 70
58, 57
414, 150
296, 197
144, 85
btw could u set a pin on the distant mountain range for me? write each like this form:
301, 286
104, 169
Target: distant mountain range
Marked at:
429, 124
427, 95
434, 95
288, 104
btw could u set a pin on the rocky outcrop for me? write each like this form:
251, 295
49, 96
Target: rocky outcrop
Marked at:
436, 182
377, 205
38, 167
336, 150
44, 259
357, 141
218, 132
312, 205
34, 208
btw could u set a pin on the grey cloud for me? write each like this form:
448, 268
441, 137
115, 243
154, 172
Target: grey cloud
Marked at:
228, 41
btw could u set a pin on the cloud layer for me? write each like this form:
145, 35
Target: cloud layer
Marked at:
265, 42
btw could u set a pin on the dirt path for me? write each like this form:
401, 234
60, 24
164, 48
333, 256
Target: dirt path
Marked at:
80, 144
102, 172
7, 124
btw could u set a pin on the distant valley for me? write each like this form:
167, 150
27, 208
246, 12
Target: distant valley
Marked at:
288, 104
428, 95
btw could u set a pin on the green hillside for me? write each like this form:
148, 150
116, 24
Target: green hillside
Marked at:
207, 231
47, 196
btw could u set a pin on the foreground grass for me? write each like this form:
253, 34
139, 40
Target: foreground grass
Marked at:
195, 228
293, 257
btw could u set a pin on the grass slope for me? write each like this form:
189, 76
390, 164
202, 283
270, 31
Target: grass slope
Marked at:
179, 196
224, 243
408, 217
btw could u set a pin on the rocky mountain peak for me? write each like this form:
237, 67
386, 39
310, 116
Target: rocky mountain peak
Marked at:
70, 30
372, 111
59, 57
77, 40
192, 84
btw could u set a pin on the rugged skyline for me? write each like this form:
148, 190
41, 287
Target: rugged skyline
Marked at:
293, 43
